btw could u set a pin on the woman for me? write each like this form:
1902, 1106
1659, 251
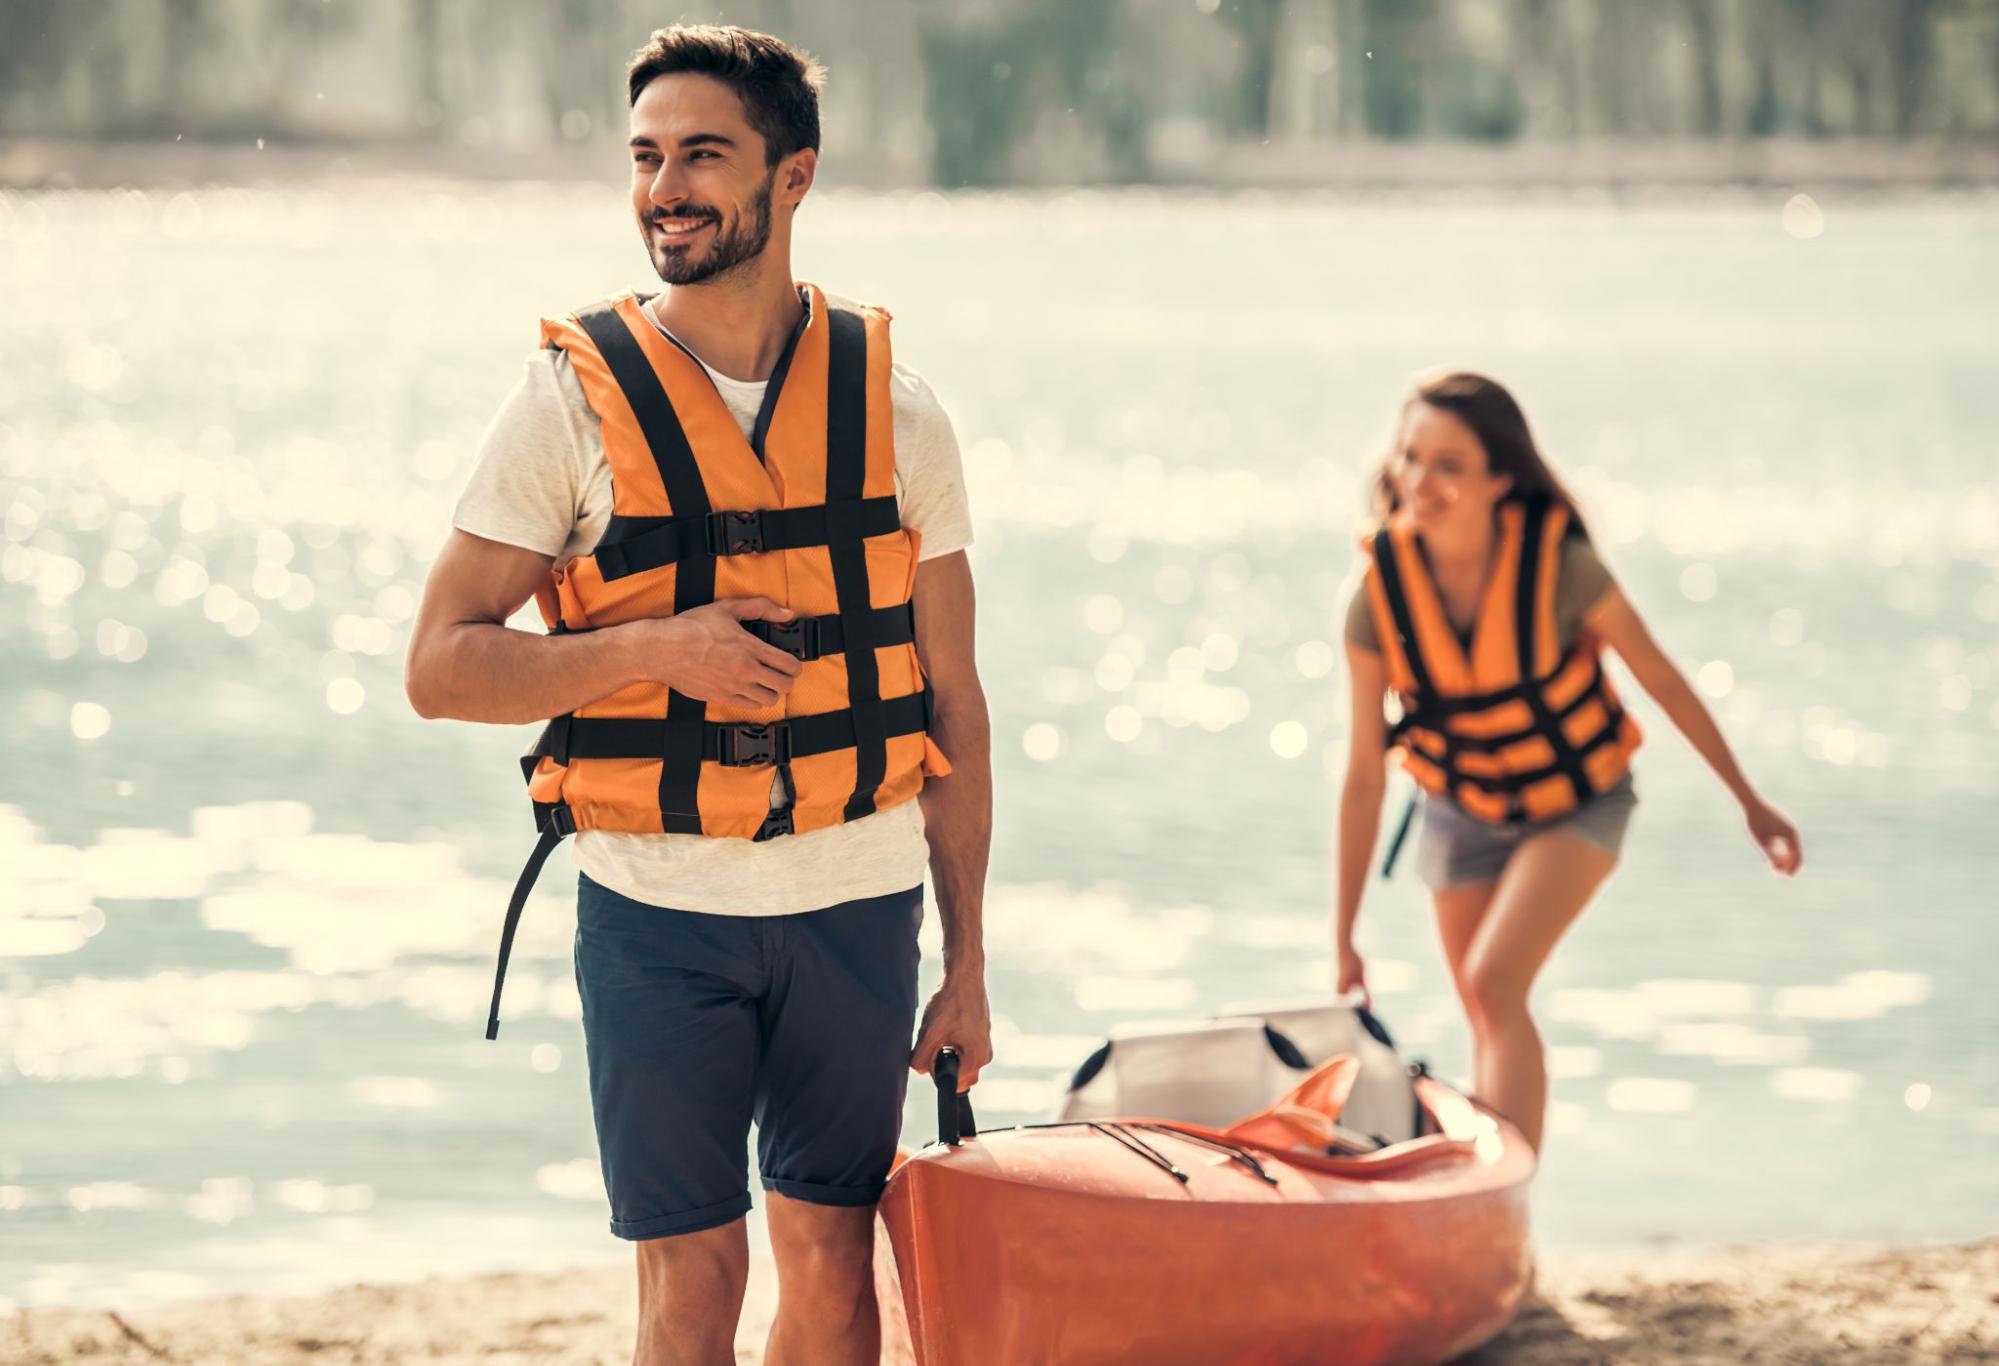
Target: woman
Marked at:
1483, 609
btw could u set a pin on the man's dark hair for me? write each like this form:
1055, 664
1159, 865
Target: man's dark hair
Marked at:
777, 83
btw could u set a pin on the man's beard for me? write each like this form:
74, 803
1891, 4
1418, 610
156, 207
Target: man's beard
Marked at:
731, 247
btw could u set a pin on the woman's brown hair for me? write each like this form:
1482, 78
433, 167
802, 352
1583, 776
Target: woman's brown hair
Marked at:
1485, 406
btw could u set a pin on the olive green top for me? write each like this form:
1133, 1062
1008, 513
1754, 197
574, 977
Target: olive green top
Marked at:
1581, 580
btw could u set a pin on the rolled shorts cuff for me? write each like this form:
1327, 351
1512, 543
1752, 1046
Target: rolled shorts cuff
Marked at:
846, 1196
687, 1221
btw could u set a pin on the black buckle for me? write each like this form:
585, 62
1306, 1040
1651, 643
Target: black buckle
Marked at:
798, 637
735, 533
748, 744
777, 823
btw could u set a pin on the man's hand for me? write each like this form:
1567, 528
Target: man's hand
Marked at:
704, 652
957, 1018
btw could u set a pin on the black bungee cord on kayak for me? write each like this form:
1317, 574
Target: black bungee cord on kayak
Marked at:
1235, 1154
1124, 1137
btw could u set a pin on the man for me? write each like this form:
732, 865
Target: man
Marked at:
717, 494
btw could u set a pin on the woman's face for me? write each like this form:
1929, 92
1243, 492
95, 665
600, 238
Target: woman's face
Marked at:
1441, 473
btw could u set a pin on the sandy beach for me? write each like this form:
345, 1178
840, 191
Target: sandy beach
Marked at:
1768, 1303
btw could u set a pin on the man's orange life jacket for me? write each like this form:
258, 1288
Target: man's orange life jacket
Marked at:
1514, 730
802, 512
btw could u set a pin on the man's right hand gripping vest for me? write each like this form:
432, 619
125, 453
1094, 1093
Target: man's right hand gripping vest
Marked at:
1516, 730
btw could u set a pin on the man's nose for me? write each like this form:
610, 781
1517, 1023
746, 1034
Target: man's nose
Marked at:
668, 188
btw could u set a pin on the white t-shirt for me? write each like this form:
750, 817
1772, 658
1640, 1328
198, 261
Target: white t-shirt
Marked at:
541, 482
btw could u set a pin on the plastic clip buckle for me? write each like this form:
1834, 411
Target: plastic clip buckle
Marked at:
735, 533
798, 637
750, 744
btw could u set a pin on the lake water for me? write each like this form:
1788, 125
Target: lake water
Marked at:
248, 900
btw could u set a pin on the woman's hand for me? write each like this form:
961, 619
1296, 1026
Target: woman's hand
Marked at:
1352, 976
1774, 835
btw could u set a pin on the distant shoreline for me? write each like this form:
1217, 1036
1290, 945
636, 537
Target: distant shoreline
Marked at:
1770, 1302
53, 164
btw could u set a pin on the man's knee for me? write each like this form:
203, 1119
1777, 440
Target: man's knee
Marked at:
826, 1247
712, 1265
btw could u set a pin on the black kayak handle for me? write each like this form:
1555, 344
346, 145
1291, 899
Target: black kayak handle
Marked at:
954, 1109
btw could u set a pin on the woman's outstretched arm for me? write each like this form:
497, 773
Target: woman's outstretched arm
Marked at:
1616, 622
1360, 806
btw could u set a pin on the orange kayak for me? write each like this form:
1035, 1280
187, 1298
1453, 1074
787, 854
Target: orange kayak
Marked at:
1155, 1241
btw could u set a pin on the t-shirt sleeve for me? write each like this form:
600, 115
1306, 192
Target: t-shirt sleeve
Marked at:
526, 484
928, 463
1360, 618
1584, 579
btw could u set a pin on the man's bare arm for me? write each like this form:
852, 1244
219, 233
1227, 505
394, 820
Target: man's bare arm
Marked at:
957, 813
464, 662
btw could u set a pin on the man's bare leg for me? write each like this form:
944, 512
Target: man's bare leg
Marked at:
691, 1296
826, 1309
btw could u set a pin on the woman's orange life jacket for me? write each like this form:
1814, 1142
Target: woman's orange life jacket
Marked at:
802, 512
1514, 730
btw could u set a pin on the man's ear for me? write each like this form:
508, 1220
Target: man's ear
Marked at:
795, 175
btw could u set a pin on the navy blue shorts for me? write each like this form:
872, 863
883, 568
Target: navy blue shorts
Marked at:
696, 1024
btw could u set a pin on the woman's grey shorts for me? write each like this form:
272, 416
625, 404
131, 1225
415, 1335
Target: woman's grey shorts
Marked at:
1457, 848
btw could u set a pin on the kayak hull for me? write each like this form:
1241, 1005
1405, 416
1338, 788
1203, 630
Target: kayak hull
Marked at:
1063, 1244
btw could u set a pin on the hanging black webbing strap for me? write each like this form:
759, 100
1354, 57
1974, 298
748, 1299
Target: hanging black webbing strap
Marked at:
1401, 836
846, 538
553, 829
694, 580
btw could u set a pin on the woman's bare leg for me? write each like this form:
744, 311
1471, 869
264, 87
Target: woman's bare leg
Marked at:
1547, 883
1461, 909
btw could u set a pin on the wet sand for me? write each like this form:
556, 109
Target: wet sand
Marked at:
1784, 1303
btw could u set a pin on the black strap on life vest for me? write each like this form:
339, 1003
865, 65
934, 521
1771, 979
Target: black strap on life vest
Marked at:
809, 638
694, 583
1547, 724
1394, 590
733, 744
1568, 759
636, 545
846, 479
760, 429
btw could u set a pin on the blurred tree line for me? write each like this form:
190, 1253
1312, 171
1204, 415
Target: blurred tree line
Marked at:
1007, 91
